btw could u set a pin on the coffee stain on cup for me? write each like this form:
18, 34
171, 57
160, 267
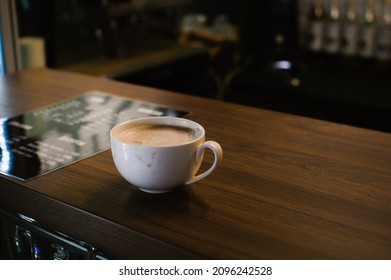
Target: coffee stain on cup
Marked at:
149, 163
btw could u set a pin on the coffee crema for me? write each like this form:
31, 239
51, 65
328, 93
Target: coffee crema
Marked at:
157, 135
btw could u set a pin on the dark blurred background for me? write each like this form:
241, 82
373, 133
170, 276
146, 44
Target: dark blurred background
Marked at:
327, 59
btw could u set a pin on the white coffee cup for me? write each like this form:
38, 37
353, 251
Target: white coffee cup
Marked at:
160, 169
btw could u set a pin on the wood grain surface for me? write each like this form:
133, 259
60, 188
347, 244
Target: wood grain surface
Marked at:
288, 187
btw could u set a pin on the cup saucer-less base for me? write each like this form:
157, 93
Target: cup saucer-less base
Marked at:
157, 191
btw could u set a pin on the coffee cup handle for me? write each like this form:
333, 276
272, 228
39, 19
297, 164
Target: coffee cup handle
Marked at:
218, 156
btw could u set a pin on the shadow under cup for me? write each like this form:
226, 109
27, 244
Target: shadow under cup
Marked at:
159, 169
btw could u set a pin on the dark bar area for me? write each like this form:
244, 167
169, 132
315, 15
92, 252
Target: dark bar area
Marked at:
296, 92
265, 54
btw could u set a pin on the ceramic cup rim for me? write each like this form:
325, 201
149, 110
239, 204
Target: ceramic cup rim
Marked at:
175, 121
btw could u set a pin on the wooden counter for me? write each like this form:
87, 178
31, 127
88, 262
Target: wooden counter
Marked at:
288, 187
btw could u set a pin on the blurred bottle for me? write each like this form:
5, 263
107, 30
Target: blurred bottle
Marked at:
316, 26
227, 30
366, 41
350, 27
383, 34
332, 28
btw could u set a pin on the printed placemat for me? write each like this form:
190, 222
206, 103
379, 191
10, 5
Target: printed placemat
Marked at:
48, 138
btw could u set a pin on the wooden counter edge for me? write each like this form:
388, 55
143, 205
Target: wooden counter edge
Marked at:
116, 241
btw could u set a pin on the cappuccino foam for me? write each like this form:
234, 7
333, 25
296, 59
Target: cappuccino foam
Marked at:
157, 135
